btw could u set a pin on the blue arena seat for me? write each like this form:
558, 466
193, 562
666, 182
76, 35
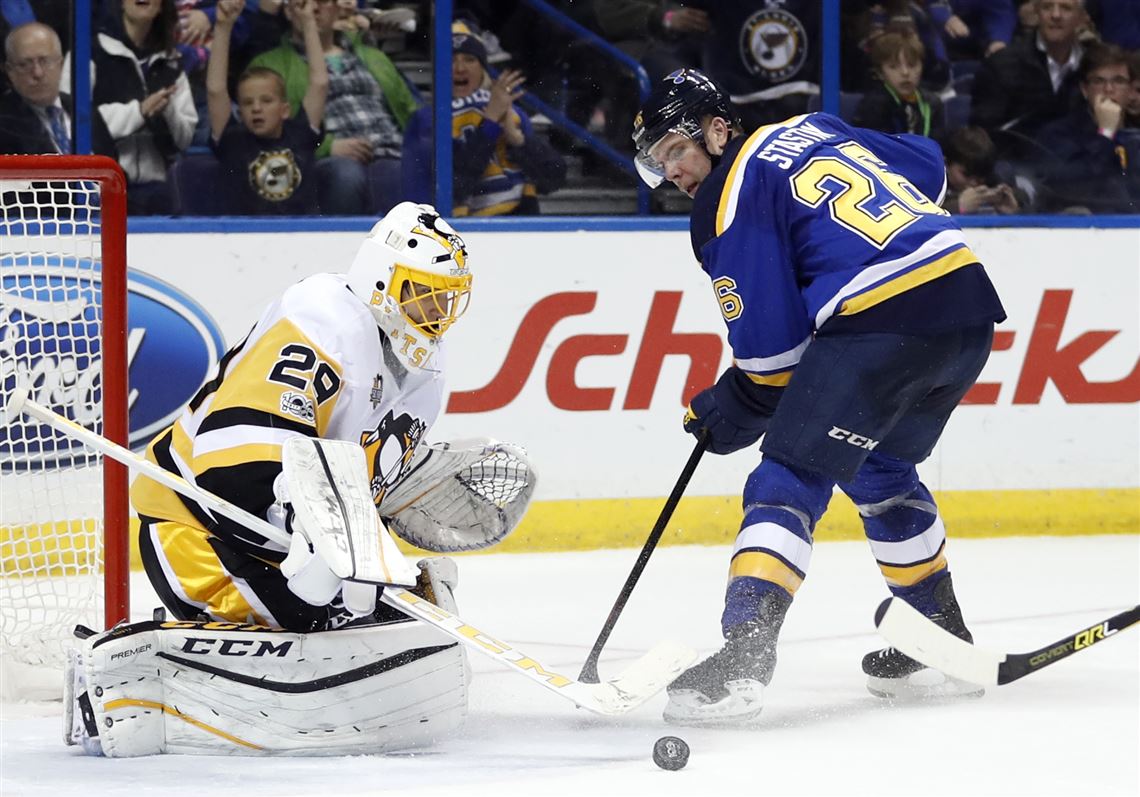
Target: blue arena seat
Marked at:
196, 182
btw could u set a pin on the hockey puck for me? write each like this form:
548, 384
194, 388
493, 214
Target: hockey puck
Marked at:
670, 752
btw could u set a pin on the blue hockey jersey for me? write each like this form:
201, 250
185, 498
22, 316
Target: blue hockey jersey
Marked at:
812, 220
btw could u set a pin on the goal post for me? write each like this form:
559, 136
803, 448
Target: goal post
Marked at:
64, 515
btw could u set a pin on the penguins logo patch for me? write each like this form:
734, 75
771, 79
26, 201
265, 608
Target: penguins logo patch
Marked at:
773, 44
274, 175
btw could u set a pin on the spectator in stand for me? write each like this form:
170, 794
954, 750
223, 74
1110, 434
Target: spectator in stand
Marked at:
1118, 21
896, 104
33, 114
195, 33
500, 163
1132, 101
660, 35
56, 14
766, 56
269, 157
915, 18
1032, 82
368, 107
975, 28
972, 184
1093, 167
143, 96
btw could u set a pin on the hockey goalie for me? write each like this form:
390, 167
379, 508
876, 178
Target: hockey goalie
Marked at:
265, 649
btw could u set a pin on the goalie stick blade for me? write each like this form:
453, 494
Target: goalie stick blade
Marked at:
908, 630
640, 681
647, 676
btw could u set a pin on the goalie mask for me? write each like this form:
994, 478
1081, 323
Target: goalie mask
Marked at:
676, 105
412, 273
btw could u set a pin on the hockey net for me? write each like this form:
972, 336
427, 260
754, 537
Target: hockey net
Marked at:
63, 511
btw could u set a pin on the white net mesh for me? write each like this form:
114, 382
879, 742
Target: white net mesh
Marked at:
51, 502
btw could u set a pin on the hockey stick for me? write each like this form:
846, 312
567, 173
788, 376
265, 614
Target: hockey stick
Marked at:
639, 682
589, 672
918, 637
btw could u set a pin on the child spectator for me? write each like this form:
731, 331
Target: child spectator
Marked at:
972, 185
367, 109
268, 156
500, 163
896, 103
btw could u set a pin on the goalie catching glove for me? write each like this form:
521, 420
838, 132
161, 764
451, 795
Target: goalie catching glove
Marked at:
460, 496
735, 411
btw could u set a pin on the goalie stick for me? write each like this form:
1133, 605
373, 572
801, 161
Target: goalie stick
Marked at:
639, 682
905, 628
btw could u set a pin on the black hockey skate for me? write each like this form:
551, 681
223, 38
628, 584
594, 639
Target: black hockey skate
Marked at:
892, 674
727, 688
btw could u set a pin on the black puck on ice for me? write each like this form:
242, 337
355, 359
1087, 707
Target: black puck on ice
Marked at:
670, 752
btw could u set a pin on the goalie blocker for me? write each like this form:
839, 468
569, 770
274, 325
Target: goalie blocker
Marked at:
217, 688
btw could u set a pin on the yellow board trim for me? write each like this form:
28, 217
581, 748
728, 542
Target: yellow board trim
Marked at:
715, 520
920, 276
114, 705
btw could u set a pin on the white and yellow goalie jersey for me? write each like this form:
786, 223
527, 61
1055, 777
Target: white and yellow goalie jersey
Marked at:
316, 364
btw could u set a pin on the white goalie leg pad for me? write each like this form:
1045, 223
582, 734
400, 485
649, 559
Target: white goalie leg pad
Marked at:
228, 689
461, 496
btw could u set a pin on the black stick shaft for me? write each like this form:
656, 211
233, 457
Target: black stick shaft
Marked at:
1018, 665
589, 672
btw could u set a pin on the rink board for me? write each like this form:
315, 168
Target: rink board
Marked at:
584, 345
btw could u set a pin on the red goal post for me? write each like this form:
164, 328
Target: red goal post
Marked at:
63, 336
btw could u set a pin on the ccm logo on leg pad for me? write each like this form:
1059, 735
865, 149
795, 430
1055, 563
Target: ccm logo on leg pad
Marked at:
857, 440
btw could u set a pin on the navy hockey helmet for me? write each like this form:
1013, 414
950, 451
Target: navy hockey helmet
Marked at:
675, 105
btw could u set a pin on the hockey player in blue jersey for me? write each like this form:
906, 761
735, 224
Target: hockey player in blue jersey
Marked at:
858, 318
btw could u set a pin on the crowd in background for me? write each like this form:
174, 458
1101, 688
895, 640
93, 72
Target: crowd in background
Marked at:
323, 106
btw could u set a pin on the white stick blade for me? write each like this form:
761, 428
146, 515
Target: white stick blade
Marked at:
907, 629
641, 680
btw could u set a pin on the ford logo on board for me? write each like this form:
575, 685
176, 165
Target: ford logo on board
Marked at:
50, 345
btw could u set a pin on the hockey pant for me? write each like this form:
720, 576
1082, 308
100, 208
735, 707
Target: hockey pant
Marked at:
783, 503
198, 576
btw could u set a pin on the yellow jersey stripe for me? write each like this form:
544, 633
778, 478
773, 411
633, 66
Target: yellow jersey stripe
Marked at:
730, 194
772, 380
912, 279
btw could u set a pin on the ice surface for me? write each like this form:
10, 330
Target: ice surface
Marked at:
1071, 729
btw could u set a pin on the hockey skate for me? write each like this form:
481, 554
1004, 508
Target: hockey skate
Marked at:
727, 688
893, 675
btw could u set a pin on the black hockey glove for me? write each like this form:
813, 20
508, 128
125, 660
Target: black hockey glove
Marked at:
735, 411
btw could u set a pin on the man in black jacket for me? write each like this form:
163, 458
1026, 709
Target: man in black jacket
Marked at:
33, 120
1032, 82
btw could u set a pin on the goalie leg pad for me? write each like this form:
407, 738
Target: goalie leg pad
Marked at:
229, 689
